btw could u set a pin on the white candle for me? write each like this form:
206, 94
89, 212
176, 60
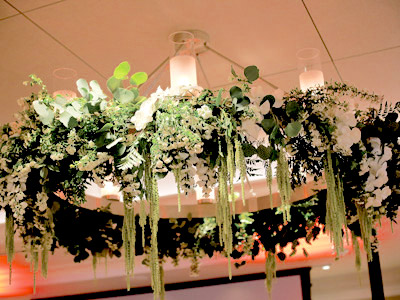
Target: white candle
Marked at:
311, 79
183, 71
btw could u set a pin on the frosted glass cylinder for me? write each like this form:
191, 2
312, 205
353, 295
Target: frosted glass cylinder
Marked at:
64, 80
309, 67
183, 71
182, 64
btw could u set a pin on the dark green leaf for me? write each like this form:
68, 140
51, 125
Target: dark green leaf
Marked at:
267, 125
265, 152
292, 109
252, 73
248, 150
236, 92
293, 129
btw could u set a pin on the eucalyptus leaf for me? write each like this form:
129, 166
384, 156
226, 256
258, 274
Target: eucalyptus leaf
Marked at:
97, 92
113, 83
236, 92
138, 78
46, 115
292, 109
68, 120
83, 87
293, 129
122, 70
73, 112
268, 125
135, 92
252, 73
265, 152
124, 95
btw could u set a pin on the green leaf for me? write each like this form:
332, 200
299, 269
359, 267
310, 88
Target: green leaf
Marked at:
67, 120
44, 172
252, 73
46, 115
83, 87
248, 150
267, 125
292, 109
293, 129
73, 112
233, 72
264, 152
113, 83
138, 78
242, 103
218, 100
124, 95
105, 128
97, 92
122, 70
236, 92
269, 98
135, 92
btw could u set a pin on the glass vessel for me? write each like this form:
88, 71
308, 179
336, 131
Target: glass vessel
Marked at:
309, 67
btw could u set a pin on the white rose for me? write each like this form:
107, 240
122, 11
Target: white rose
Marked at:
205, 112
278, 94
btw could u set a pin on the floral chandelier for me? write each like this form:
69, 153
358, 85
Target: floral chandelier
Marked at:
205, 139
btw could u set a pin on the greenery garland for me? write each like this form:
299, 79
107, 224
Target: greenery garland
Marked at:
58, 145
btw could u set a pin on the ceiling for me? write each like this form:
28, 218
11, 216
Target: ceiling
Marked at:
359, 42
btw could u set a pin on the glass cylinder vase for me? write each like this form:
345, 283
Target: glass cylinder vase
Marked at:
309, 67
182, 62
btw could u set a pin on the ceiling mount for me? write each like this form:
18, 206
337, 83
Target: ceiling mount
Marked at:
199, 38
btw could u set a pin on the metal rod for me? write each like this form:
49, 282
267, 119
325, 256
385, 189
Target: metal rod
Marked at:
322, 40
236, 64
202, 71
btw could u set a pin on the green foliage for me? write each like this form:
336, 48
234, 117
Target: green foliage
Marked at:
252, 73
122, 70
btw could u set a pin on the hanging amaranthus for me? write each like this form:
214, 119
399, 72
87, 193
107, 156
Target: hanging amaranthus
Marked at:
268, 176
270, 269
283, 181
356, 248
129, 239
230, 159
224, 217
143, 220
177, 175
335, 206
241, 163
9, 241
366, 229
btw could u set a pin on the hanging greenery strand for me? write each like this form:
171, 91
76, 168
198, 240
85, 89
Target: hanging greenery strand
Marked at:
270, 269
335, 207
9, 241
154, 218
143, 220
241, 163
284, 187
268, 176
366, 229
129, 239
177, 175
232, 171
356, 249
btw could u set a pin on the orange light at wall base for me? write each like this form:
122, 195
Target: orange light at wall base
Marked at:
21, 279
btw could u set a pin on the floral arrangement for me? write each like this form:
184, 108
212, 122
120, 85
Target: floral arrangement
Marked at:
58, 145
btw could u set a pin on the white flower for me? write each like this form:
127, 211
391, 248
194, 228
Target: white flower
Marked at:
265, 107
145, 114
70, 150
205, 112
278, 94
56, 156
251, 128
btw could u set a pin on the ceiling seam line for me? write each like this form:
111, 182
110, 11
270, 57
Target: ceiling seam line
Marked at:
367, 53
322, 40
30, 10
57, 41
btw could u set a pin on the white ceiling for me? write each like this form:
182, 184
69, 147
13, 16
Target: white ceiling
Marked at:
93, 36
